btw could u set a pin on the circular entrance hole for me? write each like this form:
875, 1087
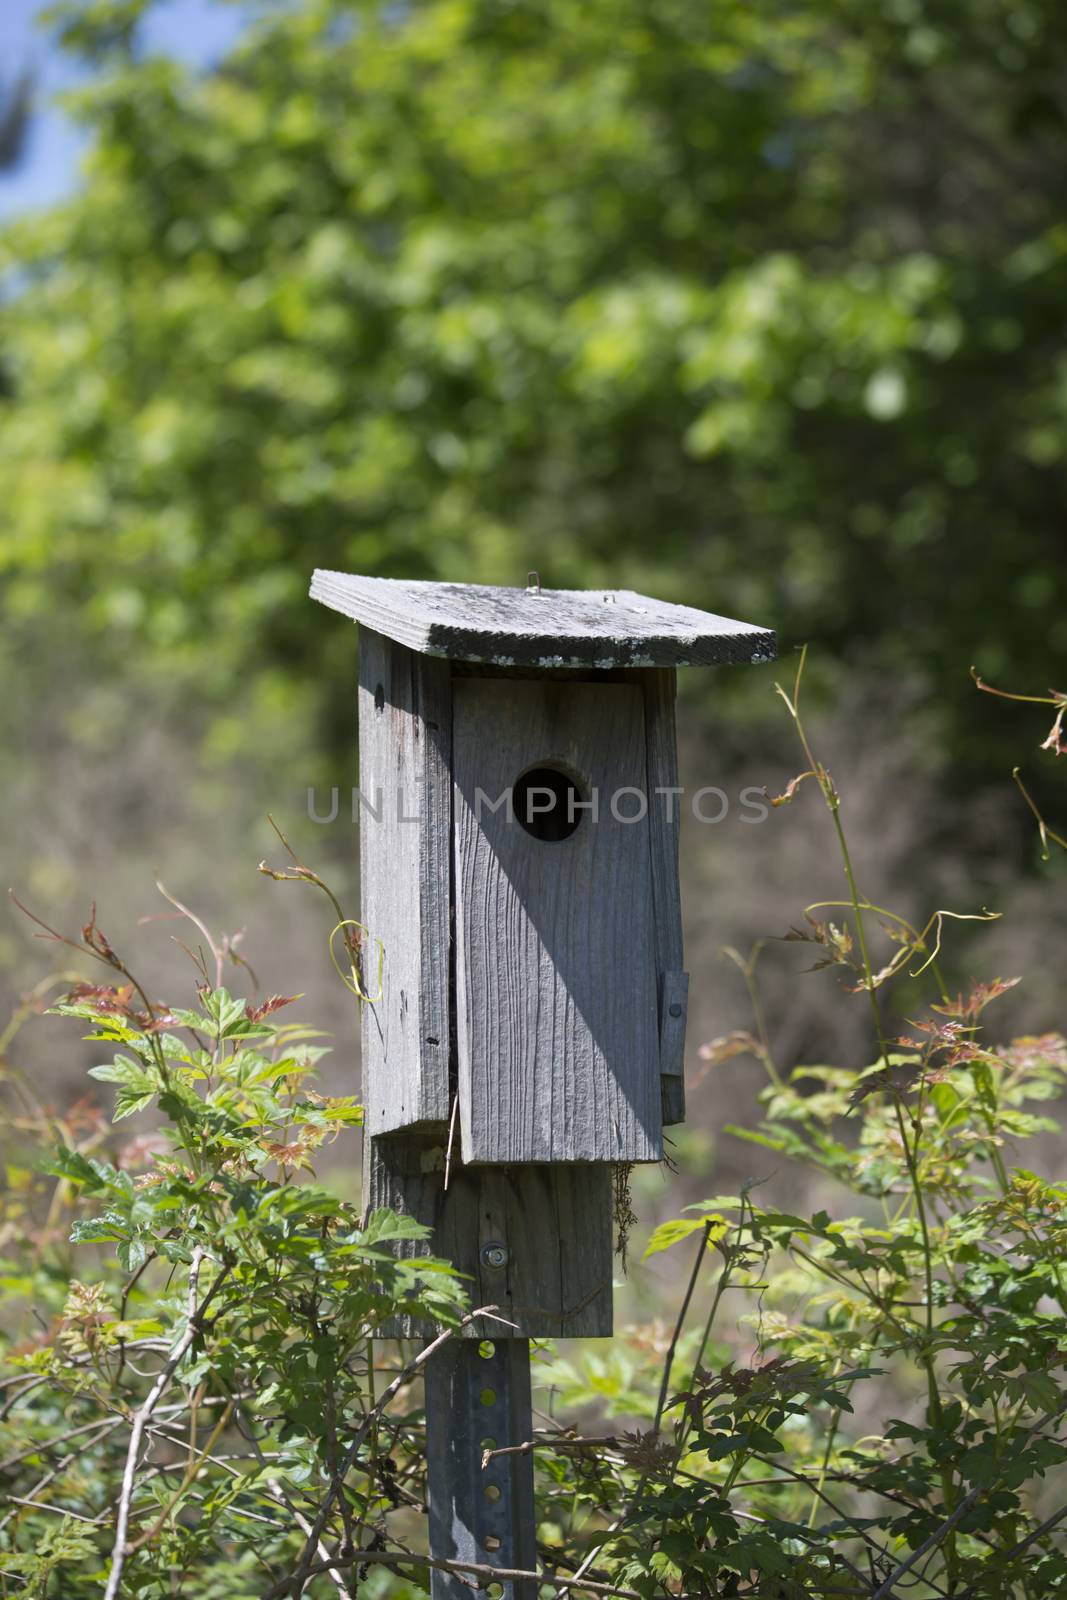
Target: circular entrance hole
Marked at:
545, 801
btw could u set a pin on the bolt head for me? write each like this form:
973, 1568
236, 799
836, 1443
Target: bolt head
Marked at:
675, 1009
495, 1254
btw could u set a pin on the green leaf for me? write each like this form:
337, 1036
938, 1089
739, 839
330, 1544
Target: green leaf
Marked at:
754, 1136
676, 1229
87, 1173
227, 1012
132, 1253
129, 1100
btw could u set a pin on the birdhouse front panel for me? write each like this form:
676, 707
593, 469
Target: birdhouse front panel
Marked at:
557, 1027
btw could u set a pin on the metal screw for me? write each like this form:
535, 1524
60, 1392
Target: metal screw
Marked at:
495, 1254
533, 582
675, 1009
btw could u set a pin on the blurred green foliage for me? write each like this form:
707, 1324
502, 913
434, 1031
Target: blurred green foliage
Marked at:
757, 307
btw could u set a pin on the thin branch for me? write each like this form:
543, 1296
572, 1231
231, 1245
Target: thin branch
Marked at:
305, 1528
552, 1441
1043, 828
451, 1137
799, 1477
40, 1446
295, 1583
1024, 1544
27, 1388
189, 1476
218, 955
60, 1511
885, 1590
620, 1520
487, 1574
665, 1382
277, 1489
144, 1414
53, 1473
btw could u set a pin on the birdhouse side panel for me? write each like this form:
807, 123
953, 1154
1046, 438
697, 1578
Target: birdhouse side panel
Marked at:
659, 686
557, 1026
405, 718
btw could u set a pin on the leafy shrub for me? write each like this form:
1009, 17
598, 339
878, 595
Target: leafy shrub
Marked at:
210, 1360
196, 1407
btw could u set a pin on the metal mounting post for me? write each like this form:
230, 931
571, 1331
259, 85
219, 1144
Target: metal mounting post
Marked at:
478, 1399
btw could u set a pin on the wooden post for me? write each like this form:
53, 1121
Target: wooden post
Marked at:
529, 1036
478, 1399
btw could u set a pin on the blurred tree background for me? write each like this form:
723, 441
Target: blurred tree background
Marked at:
756, 307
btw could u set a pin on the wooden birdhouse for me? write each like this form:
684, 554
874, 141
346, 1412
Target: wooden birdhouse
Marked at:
519, 877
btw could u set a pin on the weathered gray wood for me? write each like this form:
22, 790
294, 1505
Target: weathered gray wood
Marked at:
405, 717
550, 628
555, 1223
674, 996
665, 806
478, 1398
557, 1031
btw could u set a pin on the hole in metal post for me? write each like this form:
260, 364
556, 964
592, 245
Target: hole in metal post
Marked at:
546, 801
490, 1542
487, 1349
492, 1491
488, 1397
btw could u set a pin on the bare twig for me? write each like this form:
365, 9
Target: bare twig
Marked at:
189, 1476
1024, 1544
451, 1137
27, 1388
39, 1446
870, 1544
401, 1558
216, 953
144, 1414
295, 1583
60, 1511
1043, 828
552, 1441
305, 1528
884, 1590
53, 1473
277, 1489
664, 1387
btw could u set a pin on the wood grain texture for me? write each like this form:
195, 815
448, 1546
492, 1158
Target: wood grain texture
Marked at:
556, 1027
405, 714
555, 1222
659, 688
600, 628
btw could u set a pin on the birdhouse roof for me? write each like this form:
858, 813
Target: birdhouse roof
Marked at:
535, 627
